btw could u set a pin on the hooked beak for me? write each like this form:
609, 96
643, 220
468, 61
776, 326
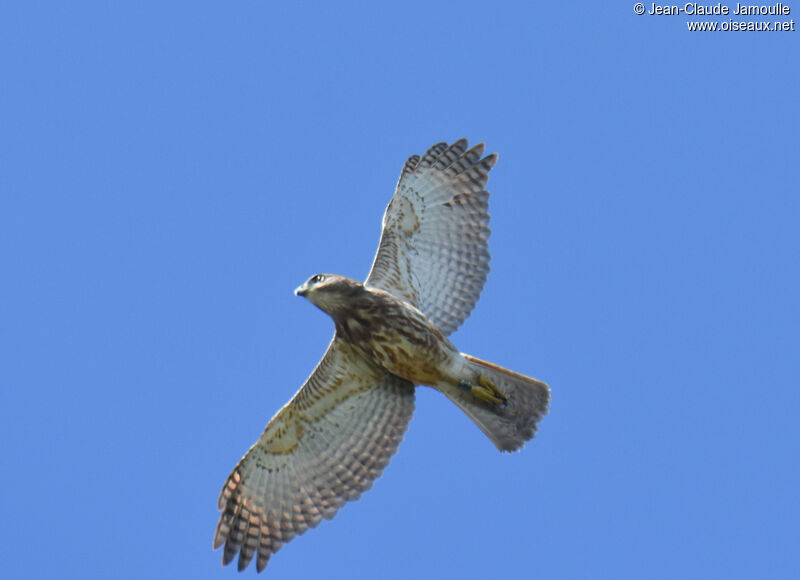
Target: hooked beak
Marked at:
301, 290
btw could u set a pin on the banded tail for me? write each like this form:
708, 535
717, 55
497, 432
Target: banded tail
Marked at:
509, 424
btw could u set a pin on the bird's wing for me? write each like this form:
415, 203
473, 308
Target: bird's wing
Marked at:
433, 251
322, 449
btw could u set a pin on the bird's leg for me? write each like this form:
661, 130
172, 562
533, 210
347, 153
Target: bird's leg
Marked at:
489, 392
485, 390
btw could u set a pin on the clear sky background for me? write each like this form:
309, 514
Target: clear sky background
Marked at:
171, 171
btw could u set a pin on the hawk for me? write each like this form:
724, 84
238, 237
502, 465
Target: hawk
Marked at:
335, 436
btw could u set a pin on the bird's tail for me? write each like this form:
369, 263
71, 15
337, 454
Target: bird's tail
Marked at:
506, 407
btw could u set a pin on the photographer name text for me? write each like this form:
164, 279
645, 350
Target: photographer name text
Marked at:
719, 9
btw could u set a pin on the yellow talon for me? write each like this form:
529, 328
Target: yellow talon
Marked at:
485, 381
488, 392
485, 396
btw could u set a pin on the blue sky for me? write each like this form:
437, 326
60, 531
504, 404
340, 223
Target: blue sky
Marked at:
172, 171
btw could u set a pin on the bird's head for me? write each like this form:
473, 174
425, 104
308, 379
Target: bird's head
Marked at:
330, 292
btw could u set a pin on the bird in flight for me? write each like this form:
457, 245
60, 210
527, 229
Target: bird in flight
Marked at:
336, 435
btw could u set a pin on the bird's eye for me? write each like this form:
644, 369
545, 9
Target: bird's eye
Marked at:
317, 279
